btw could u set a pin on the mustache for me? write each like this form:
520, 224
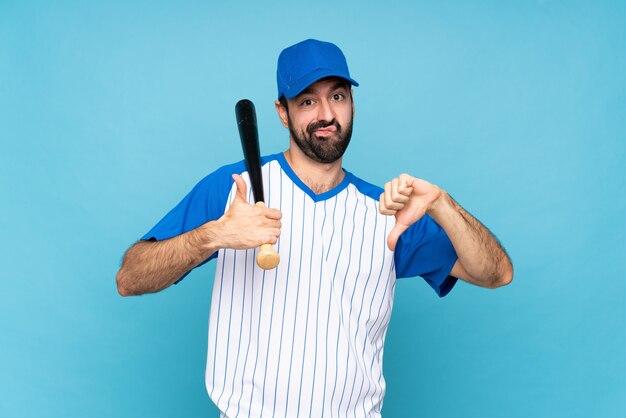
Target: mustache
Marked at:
314, 126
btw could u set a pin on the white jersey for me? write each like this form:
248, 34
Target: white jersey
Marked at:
306, 338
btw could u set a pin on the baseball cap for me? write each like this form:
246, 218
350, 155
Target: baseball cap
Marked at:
306, 62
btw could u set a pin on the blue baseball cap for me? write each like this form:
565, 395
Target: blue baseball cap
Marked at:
306, 62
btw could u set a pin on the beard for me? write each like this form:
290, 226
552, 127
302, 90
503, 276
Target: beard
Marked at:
323, 149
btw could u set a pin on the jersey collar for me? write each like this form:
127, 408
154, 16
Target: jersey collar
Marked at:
347, 179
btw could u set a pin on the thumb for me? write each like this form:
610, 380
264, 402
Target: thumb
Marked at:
242, 189
394, 235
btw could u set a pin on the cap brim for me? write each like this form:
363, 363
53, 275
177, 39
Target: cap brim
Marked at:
297, 88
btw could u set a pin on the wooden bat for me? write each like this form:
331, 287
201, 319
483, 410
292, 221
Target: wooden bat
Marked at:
267, 258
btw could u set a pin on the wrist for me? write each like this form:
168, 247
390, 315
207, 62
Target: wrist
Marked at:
440, 205
208, 238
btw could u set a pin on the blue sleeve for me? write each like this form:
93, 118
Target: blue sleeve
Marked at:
206, 202
425, 250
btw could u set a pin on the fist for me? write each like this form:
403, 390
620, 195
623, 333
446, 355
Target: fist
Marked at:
408, 199
246, 226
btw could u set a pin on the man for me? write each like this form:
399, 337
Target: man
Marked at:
306, 339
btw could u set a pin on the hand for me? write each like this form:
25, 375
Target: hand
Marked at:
408, 198
246, 226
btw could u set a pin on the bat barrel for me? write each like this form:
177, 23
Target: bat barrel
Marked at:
249, 134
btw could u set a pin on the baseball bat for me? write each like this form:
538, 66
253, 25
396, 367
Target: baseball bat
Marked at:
267, 258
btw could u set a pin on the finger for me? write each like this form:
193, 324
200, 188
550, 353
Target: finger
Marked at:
267, 239
389, 202
273, 213
382, 208
394, 235
273, 223
241, 188
395, 195
405, 184
275, 232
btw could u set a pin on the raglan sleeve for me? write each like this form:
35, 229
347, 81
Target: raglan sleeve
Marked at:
425, 250
204, 203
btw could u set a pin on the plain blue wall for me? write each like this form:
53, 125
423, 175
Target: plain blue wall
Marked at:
111, 111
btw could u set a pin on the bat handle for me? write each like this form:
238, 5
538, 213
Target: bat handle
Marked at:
267, 258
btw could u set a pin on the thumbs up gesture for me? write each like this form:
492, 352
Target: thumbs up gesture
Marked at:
245, 225
408, 199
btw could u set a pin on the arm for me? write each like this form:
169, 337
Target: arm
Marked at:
151, 266
482, 260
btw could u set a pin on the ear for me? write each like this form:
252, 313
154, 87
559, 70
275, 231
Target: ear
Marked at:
282, 113
352, 100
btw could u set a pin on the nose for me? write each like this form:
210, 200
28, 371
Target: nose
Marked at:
325, 111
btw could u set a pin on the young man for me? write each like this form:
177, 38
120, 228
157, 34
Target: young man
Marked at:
306, 339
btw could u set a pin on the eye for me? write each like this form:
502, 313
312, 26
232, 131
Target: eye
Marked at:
306, 102
338, 97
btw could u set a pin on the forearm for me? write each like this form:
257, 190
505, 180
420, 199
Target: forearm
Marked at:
479, 252
151, 266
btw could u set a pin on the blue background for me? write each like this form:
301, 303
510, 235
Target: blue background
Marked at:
111, 111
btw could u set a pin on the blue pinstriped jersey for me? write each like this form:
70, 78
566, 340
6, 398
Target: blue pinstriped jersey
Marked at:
307, 338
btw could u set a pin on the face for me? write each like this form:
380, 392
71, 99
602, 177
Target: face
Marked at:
320, 119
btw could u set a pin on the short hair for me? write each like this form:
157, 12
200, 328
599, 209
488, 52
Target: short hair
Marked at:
283, 103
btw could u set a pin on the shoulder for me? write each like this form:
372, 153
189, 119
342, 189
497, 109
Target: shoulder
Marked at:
223, 175
368, 189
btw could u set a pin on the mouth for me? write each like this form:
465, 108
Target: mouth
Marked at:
327, 131
323, 129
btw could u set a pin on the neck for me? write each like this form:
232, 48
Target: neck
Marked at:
319, 177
